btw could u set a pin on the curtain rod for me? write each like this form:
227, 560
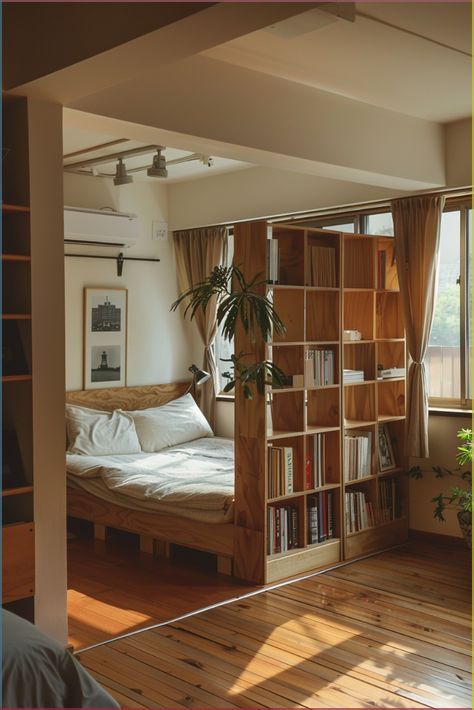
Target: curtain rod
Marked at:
340, 209
120, 259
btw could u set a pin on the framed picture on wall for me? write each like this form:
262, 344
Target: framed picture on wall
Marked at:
105, 337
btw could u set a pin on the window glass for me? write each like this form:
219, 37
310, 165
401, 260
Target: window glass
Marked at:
443, 356
380, 224
223, 349
469, 307
330, 223
347, 227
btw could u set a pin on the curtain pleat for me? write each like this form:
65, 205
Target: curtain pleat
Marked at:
197, 252
417, 222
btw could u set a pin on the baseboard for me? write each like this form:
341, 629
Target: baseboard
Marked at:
436, 538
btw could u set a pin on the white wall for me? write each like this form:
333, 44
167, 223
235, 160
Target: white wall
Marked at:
160, 346
443, 444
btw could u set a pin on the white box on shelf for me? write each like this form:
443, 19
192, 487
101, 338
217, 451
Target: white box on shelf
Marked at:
352, 335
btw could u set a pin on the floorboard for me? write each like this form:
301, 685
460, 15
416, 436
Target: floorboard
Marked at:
393, 630
112, 589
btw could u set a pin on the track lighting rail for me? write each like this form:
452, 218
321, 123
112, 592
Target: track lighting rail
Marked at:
102, 159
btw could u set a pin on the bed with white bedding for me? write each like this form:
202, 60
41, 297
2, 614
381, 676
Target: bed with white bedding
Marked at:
157, 485
194, 479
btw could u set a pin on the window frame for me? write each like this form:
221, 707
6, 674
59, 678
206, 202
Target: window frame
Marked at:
461, 403
359, 217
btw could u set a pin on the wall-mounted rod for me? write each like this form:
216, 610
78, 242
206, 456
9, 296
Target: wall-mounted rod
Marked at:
120, 259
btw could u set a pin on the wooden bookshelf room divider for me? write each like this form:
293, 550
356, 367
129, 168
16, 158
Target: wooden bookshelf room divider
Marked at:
339, 406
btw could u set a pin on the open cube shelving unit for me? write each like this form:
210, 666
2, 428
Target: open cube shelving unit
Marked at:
339, 504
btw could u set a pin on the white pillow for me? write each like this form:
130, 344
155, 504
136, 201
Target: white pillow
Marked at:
171, 424
95, 433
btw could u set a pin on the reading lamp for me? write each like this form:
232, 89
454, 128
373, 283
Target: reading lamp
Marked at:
199, 377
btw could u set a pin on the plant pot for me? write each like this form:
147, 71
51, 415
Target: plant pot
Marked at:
465, 523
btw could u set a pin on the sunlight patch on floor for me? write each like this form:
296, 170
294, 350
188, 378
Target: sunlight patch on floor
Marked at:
273, 658
100, 617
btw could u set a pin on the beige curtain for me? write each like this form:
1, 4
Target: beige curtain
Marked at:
417, 223
197, 252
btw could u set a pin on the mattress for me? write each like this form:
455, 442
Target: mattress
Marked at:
194, 480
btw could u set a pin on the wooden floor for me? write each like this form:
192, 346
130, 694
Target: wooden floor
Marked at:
389, 631
113, 590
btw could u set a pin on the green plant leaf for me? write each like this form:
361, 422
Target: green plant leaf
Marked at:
415, 472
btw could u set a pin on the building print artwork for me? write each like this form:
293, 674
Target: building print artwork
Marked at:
105, 363
106, 317
105, 337
386, 457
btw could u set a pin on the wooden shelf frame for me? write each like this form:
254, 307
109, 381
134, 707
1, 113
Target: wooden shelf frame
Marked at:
18, 502
356, 302
14, 209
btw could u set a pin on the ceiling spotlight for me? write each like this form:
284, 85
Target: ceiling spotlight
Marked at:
158, 168
207, 160
121, 177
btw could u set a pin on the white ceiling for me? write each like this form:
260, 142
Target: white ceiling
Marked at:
410, 58
413, 58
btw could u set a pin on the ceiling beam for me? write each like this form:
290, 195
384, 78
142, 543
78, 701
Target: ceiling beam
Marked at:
215, 24
228, 110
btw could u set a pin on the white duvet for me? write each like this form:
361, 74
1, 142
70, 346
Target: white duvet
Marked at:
197, 475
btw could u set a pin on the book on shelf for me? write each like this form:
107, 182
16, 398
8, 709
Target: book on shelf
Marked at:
391, 372
360, 512
357, 455
352, 376
323, 266
273, 261
320, 517
288, 469
280, 471
319, 368
390, 504
282, 528
319, 459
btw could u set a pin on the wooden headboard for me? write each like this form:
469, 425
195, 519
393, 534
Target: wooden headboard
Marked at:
128, 398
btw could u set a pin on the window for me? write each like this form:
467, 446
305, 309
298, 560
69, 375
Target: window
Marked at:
223, 349
343, 223
449, 350
347, 227
380, 223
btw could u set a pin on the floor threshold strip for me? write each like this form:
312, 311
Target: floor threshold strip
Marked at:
247, 595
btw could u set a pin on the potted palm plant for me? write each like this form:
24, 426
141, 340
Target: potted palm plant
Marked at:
238, 300
459, 497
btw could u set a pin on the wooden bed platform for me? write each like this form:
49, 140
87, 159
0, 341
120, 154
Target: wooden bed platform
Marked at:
156, 530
